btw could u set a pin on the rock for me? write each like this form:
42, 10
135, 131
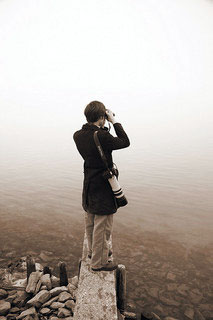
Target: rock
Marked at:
64, 296
206, 307
159, 309
170, 318
4, 307
32, 317
56, 291
55, 281
195, 296
189, 313
54, 318
155, 316
39, 298
199, 315
32, 282
28, 312
21, 299
14, 310
57, 305
11, 298
153, 292
171, 286
169, 302
69, 318
72, 290
12, 316
38, 286
170, 276
183, 290
3, 294
44, 288
70, 304
49, 302
45, 256
45, 311
74, 281
46, 281
62, 313
3, 318
129, 315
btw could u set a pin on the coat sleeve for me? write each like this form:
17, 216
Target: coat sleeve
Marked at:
114, 143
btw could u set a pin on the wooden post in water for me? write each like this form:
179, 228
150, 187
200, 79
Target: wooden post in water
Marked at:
63, 274
30, 266
121, 287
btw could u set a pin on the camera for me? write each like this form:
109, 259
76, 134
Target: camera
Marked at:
106, 116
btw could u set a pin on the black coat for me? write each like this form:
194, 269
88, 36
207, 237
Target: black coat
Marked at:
97, 196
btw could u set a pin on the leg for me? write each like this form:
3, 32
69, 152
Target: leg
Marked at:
101, 234
89, 225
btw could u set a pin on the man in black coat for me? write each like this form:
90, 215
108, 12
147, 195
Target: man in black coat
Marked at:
98, 200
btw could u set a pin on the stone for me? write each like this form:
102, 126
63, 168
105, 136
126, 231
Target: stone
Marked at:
32, 282
69, 318
55, 281
56, 291
183, 290
44, 288
170, 318
153, 292
12, 316
54, 318
39, 298
130, 315
4, 307
199, 315
159, 309
155, 316
3, 294
32, 317
171, 286
169, 302
64, 296
70, 304
45, 311
3, 318
74, 281
46, 281
57, 305
28, 312
11, 298
171, 276
72, 290
21, 299
49, 302
14, 310
62, 313
45, 256
195, 296
189, 313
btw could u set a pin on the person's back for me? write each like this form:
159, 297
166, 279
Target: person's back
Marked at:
98, 199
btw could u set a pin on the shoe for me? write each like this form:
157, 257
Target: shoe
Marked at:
110, 266
109, 254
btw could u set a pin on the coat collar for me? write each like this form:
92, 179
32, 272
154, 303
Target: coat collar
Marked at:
92, 127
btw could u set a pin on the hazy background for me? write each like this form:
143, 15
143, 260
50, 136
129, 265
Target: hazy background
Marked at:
151, 63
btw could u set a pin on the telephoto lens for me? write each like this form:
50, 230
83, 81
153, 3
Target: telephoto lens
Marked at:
118, 192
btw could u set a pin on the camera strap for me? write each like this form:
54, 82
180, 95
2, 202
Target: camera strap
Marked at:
100, 150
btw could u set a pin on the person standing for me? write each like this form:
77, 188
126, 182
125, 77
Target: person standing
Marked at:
98, 200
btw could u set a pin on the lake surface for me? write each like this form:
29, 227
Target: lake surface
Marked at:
166, 227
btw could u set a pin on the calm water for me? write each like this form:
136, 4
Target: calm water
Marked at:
168, 185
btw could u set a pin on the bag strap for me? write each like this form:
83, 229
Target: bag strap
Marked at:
100, 150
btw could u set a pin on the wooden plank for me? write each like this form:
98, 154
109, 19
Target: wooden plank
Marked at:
96, 297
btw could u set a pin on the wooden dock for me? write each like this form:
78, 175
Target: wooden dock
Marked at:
96, 298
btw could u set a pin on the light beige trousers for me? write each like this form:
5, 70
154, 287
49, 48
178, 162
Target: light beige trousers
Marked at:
98, 230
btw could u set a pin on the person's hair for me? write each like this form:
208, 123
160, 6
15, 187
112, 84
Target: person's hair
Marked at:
94, 110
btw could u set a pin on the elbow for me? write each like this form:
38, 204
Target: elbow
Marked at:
127, 144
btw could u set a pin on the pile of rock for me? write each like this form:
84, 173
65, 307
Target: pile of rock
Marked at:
43, 298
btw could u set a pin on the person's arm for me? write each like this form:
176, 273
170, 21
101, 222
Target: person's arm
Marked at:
115, 143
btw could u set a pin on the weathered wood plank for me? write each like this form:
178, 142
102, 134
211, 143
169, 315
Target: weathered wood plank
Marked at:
96, 298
